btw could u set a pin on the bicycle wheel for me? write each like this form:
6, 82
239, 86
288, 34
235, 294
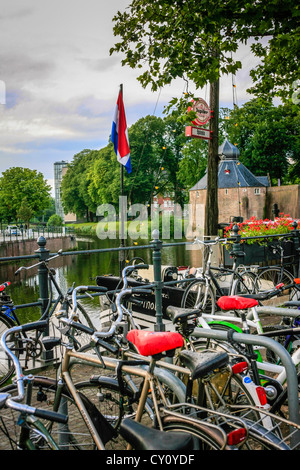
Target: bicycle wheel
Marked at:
245, 283
198, 295
75, 435
6, 365
268, 279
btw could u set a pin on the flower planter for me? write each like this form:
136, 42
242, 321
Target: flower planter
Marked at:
260, 253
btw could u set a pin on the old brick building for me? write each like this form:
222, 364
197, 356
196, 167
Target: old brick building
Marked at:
241, 194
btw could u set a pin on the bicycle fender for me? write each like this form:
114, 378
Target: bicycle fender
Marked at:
229, 325
174, 383
238, 330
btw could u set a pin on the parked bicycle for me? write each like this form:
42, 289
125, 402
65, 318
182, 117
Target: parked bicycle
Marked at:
88, 428
269, 277
30, 347
213, 282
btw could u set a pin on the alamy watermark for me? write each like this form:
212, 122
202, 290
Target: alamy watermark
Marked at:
140, 220
2, 92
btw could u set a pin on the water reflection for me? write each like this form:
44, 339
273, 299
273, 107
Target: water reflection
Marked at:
83, 268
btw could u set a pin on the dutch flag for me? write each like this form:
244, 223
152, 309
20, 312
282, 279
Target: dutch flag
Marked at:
119, 135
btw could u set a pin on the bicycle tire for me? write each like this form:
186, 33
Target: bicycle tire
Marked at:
245, 283
193, 296
268, 279
75, 435
6, 364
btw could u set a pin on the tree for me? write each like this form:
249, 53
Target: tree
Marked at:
103, 177
156, 151
268, 138
17, 184
25, 212
74, 186
193, 165
195, 39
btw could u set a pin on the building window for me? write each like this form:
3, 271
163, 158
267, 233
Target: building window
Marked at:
226, 191
197, 194
256, 190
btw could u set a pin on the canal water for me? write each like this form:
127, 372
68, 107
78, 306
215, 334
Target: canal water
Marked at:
82, 269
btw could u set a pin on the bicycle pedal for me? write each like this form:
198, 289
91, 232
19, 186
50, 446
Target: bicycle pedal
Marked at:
50, 342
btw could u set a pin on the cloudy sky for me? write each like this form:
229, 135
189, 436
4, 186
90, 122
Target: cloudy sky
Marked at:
59, 85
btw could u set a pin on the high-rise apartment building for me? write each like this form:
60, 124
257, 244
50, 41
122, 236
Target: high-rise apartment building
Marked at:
59, 170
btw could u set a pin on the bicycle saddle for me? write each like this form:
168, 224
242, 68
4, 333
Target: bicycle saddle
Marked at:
235, 302
237, 254
201, 363
150, 343
143, 438
179, 314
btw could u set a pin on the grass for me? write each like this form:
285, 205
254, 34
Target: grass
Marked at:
143, 229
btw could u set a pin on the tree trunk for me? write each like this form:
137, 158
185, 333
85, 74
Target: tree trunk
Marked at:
211, 207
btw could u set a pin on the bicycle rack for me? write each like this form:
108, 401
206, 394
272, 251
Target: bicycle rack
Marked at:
292, 380
280, 311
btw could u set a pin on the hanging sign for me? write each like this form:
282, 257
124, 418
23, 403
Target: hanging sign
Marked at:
192, 131
202, 110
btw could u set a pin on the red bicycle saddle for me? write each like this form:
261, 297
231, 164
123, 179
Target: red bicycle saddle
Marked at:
150, 343
234, 302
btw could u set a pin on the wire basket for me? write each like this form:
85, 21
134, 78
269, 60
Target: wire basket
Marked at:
224, 422
283, 433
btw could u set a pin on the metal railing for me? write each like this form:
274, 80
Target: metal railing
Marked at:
156, 246
35, 232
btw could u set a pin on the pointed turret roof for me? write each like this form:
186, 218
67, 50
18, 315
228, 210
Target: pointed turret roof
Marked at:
232, 173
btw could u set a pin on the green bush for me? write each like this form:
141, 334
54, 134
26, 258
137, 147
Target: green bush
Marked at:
55, 221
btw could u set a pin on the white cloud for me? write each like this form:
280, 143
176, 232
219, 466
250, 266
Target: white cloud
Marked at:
62, 85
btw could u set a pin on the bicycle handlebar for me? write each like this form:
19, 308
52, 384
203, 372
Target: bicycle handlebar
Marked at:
15, 402
129, 269
215, 241
125, 291
26, 268
39, 325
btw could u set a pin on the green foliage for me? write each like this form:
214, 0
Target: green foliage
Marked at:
25, 212
158, 147
196, 40
55, 221
18, 185
74, 186
268, 138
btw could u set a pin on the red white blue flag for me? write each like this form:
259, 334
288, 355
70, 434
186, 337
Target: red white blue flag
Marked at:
119, 135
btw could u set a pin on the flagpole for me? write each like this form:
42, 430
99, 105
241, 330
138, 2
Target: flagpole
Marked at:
121, 213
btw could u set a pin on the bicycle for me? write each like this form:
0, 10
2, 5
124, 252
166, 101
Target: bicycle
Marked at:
269, 277
228, 323
200, 363
204, 291
32, 347
227, 432
31, 426
35, 435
